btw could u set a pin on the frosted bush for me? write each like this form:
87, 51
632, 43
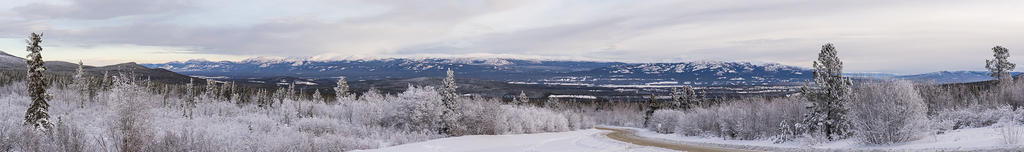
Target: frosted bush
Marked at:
744, 119
976, 116
130, 116
665, 121
888, 112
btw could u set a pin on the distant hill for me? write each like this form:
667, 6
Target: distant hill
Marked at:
13, 63
941, 77
10, 62
522, 71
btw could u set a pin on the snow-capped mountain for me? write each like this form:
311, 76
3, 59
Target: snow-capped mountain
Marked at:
708, 73
499, 69
943, 77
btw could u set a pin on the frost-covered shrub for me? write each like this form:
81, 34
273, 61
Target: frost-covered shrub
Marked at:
524, 119
888, 112
665, 121
743, 119
316, 126
977, 116
132, 116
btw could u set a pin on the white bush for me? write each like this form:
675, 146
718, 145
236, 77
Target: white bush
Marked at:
744, 119
133, 117
888, 112
665, 121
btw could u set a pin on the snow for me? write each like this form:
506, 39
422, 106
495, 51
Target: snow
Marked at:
210, 77
573, 96
662, 83
972, 139
580, 140
305, 83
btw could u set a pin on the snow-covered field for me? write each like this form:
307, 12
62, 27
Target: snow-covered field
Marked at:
972, 139
589, 140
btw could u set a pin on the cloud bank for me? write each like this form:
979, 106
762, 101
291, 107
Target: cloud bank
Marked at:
882, 36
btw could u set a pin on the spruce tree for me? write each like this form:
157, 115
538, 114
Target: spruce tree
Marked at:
450, 113
828, 110
523, 99
211, 90
292, 94
341, 90
684, 98
190, 99
652, 105
999, 67
36, 114
317, 97
81, 85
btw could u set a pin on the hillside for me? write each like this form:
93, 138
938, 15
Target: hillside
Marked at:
588, 73
13, 63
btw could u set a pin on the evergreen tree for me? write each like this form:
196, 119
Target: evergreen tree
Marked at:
36, 114
292, 94
449, 96
341, 90
999, 67
106, 81
211, 90
523, 99
828, 110
652, 105
280, 94
190, 99
81, 85
317, 97
684, 98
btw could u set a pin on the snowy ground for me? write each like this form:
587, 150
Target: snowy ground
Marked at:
973, 139
589, 140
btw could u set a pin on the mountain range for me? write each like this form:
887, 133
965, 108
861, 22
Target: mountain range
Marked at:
590, 73
527, 71
512, 71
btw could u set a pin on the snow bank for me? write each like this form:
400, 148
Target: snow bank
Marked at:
973, 139
581, 140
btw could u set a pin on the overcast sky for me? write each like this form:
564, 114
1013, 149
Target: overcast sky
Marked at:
871, 36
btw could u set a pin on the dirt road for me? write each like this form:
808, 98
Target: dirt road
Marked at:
629, 136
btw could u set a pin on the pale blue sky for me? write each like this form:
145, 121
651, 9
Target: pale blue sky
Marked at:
872, 36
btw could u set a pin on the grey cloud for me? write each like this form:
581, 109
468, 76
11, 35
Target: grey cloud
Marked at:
872, 35
99, 9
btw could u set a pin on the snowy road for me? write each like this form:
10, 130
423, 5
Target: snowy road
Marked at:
629, 135
590, 140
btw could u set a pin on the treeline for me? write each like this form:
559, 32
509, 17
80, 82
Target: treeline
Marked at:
126, 112
871, 111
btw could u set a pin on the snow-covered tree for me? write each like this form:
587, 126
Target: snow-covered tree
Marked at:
81, 85
317, 97
106, 81
652, 105
264, 99
888, 112
280, 94
37, 115
227, 91
828, 110
522, 99
341, 89
292, 94
999, 67
684, 98
211, 90
190, 100
448, 100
